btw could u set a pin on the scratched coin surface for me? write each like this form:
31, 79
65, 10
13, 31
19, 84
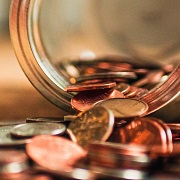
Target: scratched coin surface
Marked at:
86, 99
6, 138
54, 153
33, 129
86, 87
124, 107
95, 124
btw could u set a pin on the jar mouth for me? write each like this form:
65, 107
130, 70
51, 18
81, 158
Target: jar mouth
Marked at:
47, 37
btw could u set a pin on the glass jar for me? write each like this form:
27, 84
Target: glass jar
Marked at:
45, 33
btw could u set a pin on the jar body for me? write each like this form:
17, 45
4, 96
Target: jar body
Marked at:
45, 34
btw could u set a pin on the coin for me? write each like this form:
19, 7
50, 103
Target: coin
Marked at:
45, 119
140, 93
107, 75
85, 87
33, 129
144, 131
123, 87
175, 129
117, 155
86, 99
7, 140
94, 124
153, 76
12, 161
54, 153
132, 92
124, 107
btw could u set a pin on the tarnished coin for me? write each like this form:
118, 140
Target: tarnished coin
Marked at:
54, 153
6, 138
33, 129
86, 99
124, 107
94, 124
86, 87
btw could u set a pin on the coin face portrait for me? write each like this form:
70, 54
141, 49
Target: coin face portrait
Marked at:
92, 125
124, 107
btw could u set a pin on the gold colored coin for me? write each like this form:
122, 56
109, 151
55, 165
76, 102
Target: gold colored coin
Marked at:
124, 107
91, 125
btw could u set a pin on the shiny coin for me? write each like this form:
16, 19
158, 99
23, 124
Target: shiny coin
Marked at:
94, 124
124, 108
144, 131
54, 153
33, 129
141, 92
153, 76
86, 87
116, 155
7, 140
175, 129
86, 99
132, 92
115, 173
123, 87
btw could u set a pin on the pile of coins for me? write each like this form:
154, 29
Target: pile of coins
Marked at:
110, 136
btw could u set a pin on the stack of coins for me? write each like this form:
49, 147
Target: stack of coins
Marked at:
115, 160
110, 77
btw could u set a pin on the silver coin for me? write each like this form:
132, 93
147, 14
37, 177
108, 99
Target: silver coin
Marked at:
124, 107
33, 129
7, 140
46, 119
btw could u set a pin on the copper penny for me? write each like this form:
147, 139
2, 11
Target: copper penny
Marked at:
118, 155
149, 132
86, 99
153, 76
94, 124
55, 153
175, 129
86, 87
132, 92
125, 107
123, 87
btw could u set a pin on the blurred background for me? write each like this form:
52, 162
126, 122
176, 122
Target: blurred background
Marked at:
18, 98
